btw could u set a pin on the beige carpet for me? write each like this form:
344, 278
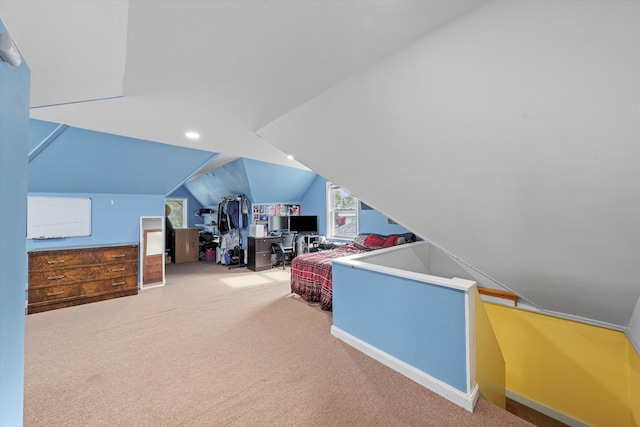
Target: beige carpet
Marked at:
217, 347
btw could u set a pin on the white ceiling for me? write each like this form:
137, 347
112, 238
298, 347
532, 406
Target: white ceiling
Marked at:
509, 138
315, 75
155, 69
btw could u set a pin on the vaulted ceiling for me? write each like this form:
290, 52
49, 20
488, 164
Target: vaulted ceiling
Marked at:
505, 132
153, 70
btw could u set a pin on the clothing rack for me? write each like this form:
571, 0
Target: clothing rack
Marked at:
233, 214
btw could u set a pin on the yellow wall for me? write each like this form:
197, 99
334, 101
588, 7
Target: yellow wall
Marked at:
583, 371
490, 369
634, 364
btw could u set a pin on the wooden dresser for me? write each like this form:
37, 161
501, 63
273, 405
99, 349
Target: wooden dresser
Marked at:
64, 277
187, 245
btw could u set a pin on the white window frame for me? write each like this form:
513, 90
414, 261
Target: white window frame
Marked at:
331, 210
185, 210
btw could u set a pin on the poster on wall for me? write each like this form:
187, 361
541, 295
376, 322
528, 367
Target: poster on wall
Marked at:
262, 212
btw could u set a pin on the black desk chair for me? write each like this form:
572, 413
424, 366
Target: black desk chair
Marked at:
281, 257
288, 242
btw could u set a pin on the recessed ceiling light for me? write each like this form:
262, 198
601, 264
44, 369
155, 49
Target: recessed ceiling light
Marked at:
192, 135
290, 157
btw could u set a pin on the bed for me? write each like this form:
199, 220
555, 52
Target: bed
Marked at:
311, 272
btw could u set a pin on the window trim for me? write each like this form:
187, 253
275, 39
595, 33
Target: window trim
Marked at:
185, 209
330, 211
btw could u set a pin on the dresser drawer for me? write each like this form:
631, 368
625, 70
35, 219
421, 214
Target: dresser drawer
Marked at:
56, 277
111, 255
109, 285
111, 270
264, 245
53, 293
54, 259
263, 259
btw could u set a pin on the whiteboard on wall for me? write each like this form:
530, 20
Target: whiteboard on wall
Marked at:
56, 217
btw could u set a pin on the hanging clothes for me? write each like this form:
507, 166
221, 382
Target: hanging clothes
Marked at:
233, 216
223, 219
233, 210
236, 211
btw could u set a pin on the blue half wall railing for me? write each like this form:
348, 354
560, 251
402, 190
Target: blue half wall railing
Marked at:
421, 325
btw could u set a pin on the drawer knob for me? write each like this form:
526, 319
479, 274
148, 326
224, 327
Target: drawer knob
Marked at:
52, 294
61, 276
55, 261
118, 269
118, 283
118, 256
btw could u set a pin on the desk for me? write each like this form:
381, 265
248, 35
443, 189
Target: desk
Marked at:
259, 252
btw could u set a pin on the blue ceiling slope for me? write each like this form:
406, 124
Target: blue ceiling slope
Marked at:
228, 180
39, 131
261, 182
274, 183
84, 161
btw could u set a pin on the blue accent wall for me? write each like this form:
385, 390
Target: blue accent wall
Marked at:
261, 182
192, 204
115, 218
271, 183
84, 161
14, 142
227, 180
314, 202
372, 221
420, 324
126, 178
39, 130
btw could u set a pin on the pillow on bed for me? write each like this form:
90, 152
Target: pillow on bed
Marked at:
390, 241
377, 241
358, 242
374, 241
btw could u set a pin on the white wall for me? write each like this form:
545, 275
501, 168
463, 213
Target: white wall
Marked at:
510, 139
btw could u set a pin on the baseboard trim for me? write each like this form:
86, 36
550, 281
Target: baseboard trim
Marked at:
466, 401
550, 412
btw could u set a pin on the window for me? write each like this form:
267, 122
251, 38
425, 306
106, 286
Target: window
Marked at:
342, 213
178, 213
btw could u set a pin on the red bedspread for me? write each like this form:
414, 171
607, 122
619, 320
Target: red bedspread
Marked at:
311, 274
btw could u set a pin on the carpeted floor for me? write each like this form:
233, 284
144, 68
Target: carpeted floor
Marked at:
217, 347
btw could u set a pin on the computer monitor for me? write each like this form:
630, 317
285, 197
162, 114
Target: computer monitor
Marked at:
303, 224
278, 223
